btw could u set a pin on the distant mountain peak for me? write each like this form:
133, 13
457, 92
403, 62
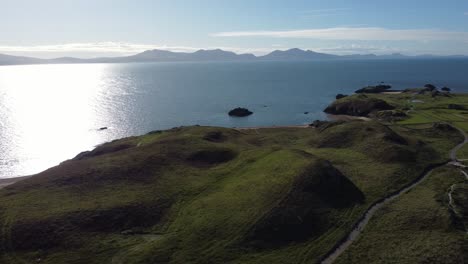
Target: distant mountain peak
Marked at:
158, 55
295, 50
297, 54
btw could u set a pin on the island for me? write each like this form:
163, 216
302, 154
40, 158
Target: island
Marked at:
240, 112
204, 194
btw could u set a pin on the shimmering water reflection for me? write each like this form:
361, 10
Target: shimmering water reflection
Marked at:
49, 113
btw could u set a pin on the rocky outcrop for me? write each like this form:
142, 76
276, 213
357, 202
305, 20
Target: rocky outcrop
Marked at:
374, 89
446, 89
357, 106
390, 115
240, 112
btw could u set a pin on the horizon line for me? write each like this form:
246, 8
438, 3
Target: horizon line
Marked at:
194, 50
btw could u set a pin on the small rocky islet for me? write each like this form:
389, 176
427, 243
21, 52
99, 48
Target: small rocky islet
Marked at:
240, 112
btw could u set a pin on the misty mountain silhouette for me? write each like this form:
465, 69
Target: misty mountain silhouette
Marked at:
209, 55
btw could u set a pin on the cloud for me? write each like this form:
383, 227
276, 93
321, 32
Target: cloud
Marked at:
360, 49
95, 49
110, 47
355, 33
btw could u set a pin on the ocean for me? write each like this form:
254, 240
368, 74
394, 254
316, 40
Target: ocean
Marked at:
50, 113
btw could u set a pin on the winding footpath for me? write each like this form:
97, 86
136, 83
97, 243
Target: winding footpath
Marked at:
361, 224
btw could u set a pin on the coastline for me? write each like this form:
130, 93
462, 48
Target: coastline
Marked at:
332, 117
9, 181
329, 117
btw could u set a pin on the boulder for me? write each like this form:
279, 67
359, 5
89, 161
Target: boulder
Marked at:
339, 96
430, 87
446, 89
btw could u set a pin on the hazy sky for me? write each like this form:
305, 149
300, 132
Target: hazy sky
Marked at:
89, 28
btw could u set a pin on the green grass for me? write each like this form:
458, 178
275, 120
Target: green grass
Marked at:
416, 228
463, 153
218, 195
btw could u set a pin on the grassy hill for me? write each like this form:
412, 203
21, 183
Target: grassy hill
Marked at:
417, 228
218, 195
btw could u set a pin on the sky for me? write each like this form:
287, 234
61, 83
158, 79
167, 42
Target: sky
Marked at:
94, 28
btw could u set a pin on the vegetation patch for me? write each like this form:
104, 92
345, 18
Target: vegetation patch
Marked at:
356, 106
416, 228
211, 156
305, 211
273, 195
215, 136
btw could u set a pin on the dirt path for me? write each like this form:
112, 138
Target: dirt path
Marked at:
361, 224
466, 174
453, 152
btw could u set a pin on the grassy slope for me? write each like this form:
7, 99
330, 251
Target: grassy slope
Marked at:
419, 227
180, 198
209, 195
416, 228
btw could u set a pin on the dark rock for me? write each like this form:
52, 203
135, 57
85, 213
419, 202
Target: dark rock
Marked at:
339, 96
446, 89
374, 89
456, 107
391, 115
430, 87
435, 93
240, 112
358, 107
154, 132
102, 128
306, 113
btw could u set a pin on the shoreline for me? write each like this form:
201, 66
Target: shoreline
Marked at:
330, 117
9, 181
270, 127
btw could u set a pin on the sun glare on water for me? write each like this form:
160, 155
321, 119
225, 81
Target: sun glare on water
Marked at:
49, 112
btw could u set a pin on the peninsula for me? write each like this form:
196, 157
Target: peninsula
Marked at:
391, 186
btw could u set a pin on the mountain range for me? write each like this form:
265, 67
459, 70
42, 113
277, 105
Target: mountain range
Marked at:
211, 55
